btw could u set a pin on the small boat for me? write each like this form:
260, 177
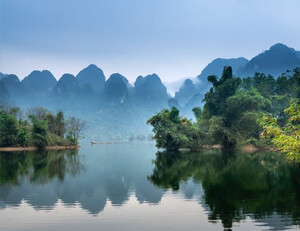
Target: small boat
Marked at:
93, 142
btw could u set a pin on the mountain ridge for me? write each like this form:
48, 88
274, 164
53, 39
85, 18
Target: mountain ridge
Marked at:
113, 105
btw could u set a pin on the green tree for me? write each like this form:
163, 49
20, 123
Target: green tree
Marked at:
242, 111
173, 132
23, 136
215, 107
286, 138
231, 110
51, 120
215, 98
60, 124
56, 124
15, 112
197, 112
8, 130
40, 132
231, 113
74, 128
296, 82
165, 127
39, 112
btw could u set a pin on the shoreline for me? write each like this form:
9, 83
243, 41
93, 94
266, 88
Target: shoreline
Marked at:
247, 148
34, 148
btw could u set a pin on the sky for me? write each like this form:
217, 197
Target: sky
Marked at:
173, 38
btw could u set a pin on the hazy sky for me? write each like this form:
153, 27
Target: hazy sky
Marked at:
173, 38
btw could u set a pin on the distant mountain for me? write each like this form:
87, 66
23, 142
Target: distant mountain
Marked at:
296, 52
274, 61
39, 82
173, 86
103, 102
186, 92
91, 77
67, 86
2, 75
189, 89
216, 68
15, 88
195, 101
4, 95
116, 89
150, 89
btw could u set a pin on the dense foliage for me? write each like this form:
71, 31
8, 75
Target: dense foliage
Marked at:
286, 138
40, 128
230, 113
173, 132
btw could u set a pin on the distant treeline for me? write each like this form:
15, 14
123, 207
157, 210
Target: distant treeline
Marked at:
232, 108
39, 128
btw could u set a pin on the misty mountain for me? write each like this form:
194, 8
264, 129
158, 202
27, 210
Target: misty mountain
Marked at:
275, 61
91, 77
278, 59
116, 90
190, 93
116, 109
67, 87
150, 90
216, 68
186, 92
17, 91
4, 95
2, 75
195, 101
39, 82
174, 86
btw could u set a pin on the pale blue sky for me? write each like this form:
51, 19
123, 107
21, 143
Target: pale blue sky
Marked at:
173, 38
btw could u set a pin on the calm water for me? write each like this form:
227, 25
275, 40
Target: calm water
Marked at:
131, 186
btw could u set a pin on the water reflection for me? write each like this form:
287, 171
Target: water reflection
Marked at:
235, 185
40, 167
90, 178
229, 186
30, 175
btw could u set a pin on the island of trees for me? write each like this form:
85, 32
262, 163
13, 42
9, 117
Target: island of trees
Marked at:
259, 110
39, 128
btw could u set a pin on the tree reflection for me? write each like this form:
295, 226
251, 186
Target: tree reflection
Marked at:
42, 178
41, 166
235, 184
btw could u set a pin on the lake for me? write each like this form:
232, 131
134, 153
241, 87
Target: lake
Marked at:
132, 186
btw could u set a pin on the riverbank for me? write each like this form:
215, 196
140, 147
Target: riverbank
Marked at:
247, 148
33, 148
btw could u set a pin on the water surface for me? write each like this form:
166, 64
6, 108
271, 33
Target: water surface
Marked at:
132, 186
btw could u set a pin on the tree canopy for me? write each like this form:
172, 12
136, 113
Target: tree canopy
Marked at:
231, 111
40, 128
287, 137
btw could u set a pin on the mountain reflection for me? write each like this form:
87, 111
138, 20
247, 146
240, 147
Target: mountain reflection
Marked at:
228, 186
89, 178
30, 175
39, 167
262, 185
